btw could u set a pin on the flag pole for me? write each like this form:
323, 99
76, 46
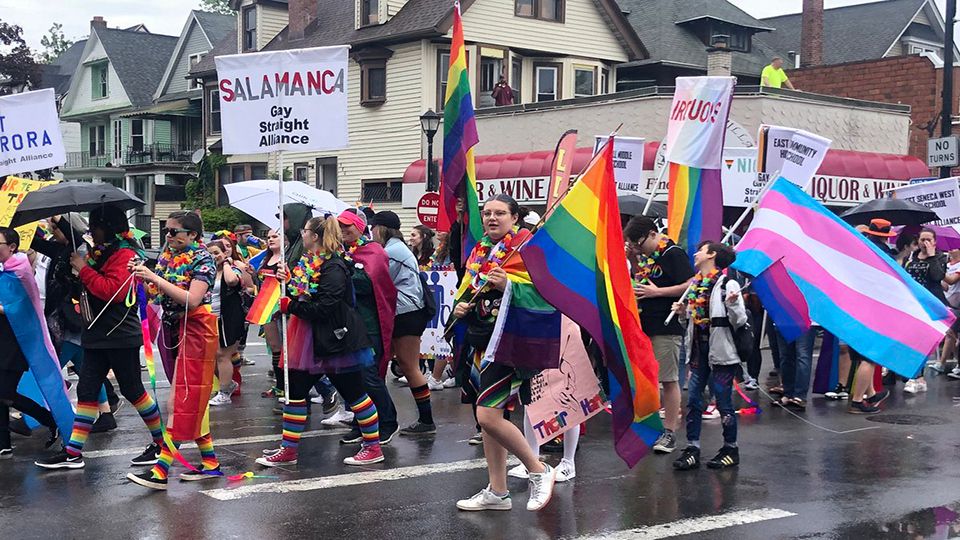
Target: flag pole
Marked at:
656, 185
283, 285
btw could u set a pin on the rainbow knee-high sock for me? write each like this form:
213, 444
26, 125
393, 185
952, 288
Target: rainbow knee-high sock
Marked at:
294, 419
150, 413
421, 395
162, 469
207, 456
366, 414
82, 422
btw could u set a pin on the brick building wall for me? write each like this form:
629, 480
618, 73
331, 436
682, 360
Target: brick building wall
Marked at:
907, 80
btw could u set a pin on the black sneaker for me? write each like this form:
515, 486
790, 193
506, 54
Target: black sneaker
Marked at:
149, 456
386, 437
728, 456
105, 422
688, 460
476, 440
666, 443
352, 437
146, 479
60, 460
201, 474
417, 429
6, 453
878, 398
838, 393
553, 446
859, 407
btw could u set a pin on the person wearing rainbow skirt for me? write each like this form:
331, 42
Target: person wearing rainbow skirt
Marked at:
325, 336
112, 341
182, 285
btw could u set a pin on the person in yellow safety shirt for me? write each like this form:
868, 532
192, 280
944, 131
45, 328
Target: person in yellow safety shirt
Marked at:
773, 75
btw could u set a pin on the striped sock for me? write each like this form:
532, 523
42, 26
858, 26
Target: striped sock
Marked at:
365, 413
82, 422
294, 419
421, 395
162, 468
207, 455
150, 413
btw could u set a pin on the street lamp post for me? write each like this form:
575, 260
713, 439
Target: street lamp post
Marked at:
430, 123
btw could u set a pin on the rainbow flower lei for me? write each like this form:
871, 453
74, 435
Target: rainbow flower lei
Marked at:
648, 267
305, 276
698, 299
352, 248
486, 256
175, 267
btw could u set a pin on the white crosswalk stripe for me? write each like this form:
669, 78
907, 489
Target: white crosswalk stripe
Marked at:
693, 525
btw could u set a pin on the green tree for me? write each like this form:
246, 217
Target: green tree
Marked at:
18, 69
201, 194
217, 6
54, 44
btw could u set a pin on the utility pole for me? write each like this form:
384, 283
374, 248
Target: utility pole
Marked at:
946, 113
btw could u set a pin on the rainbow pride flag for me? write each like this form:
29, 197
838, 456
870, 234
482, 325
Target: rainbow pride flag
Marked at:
266, 302
694, 206
459, 137
578, 264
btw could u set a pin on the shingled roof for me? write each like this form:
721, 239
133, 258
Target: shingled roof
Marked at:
57, 74
663, 27
850, 33
215, 25
139, 60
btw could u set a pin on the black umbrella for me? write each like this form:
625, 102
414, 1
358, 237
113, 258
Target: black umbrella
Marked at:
71, 197
896, 211
633, 205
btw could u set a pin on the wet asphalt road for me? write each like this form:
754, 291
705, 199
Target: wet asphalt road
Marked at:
862, 479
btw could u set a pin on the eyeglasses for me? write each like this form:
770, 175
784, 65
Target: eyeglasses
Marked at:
4, 243
174, 232
498, 214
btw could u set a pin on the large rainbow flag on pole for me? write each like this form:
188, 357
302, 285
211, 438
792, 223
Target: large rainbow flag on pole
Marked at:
459, 176
578, 264
698, 121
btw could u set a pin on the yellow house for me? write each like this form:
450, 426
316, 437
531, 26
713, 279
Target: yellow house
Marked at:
545, 50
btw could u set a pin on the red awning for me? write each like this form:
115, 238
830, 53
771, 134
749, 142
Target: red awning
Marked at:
843, 163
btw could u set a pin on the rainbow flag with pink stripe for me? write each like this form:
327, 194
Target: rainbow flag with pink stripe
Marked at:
694, 206
851, 288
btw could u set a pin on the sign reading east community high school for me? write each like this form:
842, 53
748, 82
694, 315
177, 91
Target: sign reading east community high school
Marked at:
30, 137
292, 100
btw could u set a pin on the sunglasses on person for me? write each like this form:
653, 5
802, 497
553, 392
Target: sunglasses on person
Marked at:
174, 232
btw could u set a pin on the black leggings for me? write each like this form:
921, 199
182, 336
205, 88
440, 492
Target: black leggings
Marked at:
9, 379
350, 385
125, 364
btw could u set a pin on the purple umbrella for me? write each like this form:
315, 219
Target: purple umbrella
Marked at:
947, 237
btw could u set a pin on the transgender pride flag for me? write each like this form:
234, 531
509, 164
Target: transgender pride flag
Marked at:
851, 288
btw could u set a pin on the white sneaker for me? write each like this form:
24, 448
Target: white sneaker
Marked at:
485, 500
338, 417
220, 399
317, 399
313, 393
518, 472
954, 373
921, 385
541, 488
911, 387
450, 383
711, 413
433, 384
566, 470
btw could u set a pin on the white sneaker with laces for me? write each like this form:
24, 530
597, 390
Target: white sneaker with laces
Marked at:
433, 384
921, 385
485, 500
220, 399
566, 470
339, 416
518, 472
541, 488
911, 387
711, 413
450, 382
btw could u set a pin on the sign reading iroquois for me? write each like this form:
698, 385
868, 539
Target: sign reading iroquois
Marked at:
292, 100
30, 138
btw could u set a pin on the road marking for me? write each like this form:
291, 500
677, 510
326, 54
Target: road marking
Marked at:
693, 525
275, 437
343, 480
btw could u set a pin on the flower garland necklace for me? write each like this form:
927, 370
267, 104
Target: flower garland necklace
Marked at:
648, 267
352, 248
698, 299
486, 256
305, 276
121, 241
177, 268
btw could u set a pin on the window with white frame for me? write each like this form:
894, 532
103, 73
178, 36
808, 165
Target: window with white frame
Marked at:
584, 81
546, 81
194, 84
213, 112
301, 172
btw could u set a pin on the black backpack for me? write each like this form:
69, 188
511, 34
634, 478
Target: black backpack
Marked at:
742, 337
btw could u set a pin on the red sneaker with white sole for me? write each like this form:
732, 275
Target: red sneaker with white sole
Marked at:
286, 456
366, 456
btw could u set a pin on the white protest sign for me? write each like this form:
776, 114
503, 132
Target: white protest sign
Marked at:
292, 100
627, 160
30, 138
698, 119
738, 176
443, 287
941, 196
794, 153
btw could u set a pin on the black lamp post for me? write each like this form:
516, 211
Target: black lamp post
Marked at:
430, 123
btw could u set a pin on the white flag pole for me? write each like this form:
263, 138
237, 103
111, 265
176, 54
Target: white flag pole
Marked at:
283, 285
653, 190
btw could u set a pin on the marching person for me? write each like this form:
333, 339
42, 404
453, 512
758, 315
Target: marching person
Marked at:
490, 385
226, 304
271, 331
421, 244
928, 266
411, 320
182, 285
713, 359
326, 337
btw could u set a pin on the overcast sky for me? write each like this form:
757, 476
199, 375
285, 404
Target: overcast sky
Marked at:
168, 16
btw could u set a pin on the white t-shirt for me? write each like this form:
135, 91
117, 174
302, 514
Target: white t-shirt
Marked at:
953, 292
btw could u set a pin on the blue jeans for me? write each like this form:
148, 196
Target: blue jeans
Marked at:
720, 380
796, 361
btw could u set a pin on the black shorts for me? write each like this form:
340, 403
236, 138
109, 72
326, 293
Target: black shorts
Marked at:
410, 324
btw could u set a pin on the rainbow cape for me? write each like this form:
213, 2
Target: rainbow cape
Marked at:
694, 206
459, 174
21, 304
578, 264
266, 302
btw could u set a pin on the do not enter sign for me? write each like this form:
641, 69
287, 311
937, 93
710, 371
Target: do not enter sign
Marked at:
428, 209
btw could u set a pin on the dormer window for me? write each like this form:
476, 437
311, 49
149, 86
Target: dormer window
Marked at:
369, 12
249, 33
373, 75
546, 10
100, 76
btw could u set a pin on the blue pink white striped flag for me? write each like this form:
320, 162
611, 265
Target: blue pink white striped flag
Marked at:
783, 301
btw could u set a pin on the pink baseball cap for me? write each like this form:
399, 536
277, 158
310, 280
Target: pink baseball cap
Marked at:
351, 218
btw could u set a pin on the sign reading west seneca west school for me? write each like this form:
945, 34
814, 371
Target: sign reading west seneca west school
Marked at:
292, 100
30, 137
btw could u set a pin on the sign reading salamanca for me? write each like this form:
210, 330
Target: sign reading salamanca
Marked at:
292, 100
